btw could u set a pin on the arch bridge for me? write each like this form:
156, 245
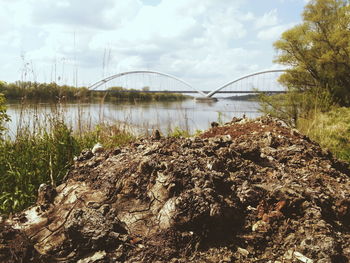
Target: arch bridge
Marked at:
259, 82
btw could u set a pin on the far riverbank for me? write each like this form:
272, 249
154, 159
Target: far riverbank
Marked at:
52, 92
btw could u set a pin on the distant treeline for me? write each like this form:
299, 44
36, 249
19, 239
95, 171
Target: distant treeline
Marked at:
132, 95
54, 92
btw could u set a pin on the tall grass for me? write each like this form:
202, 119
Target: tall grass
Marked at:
294, 104
42, 152
315, 114
330, 129
31, 159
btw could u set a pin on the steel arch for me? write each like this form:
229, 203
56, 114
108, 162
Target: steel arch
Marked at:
103, 81
241, 78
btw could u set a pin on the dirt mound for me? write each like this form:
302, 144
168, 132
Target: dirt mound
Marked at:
248, 191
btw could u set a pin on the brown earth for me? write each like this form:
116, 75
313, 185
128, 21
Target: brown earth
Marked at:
248, 191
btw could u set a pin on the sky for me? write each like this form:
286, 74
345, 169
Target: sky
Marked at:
78, 42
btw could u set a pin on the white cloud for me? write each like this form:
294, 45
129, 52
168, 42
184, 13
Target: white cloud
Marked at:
176, 38
193, 39
268, 19
247, 17
74, 13
273, 33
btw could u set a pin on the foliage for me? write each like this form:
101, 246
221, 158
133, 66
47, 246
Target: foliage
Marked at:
119, 93
3, 116
32, 159
54, 92
318, 51
330, 130
109, 135
41, 91
220, 119
293, 105
45, 156
177, 132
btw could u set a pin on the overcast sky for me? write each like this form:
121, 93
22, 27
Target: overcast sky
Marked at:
205, 42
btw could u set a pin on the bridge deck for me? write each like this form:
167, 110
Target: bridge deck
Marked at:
193, 91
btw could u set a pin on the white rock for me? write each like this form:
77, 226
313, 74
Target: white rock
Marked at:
302, 258
98, 148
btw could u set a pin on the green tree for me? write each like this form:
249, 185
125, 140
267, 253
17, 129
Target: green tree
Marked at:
317, 51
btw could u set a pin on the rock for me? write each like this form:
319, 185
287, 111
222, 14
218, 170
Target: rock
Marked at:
46, 195
97, 149
302, 258
214, 124
156, 135
96, 257
84, 155
235, 119
243, 251
260, 226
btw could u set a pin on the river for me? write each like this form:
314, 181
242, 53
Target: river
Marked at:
141, 116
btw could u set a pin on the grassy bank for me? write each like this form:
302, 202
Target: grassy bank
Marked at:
54, 92
330, 129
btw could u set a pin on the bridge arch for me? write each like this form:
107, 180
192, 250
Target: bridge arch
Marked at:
210, 94
105, 80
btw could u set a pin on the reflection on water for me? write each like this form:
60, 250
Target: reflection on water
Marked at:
188, 114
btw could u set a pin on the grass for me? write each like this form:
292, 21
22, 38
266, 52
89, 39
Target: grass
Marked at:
30, 160
330, 129
43, 150
315, 114
45, 155
177, 132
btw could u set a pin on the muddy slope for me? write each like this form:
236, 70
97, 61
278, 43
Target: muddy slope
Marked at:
249, 191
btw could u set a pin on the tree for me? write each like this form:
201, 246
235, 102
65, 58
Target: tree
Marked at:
317, 51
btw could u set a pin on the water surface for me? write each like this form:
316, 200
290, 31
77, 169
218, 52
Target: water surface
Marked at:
142, 116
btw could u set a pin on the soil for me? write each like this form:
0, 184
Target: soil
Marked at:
247, 191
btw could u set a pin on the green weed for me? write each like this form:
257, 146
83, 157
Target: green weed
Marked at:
330, 129
45, 155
